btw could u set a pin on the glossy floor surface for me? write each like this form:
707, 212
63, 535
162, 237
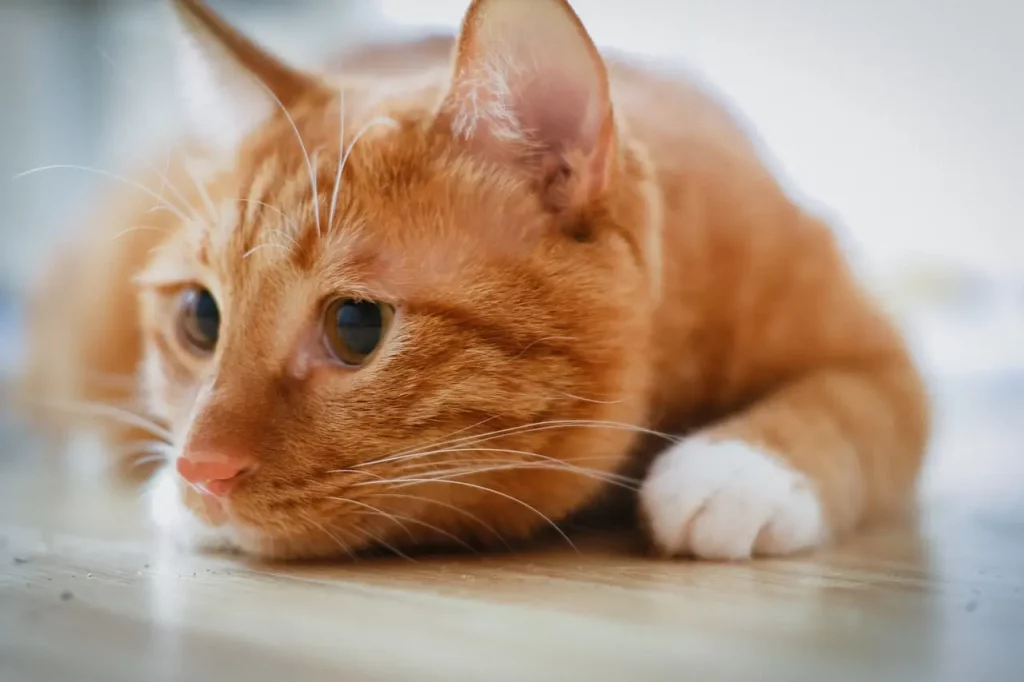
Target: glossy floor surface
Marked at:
87, 595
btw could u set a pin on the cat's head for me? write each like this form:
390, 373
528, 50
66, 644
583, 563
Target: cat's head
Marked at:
401, 310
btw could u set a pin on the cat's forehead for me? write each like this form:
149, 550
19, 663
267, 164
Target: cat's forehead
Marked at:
395, 211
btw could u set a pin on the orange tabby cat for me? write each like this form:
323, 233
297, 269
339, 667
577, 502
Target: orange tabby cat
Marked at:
450, 296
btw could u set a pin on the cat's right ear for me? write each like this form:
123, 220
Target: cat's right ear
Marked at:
229, 84
529, 84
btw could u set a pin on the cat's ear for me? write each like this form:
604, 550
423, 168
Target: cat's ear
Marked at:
529, 82
229, 84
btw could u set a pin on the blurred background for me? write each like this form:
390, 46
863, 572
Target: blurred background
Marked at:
900, 120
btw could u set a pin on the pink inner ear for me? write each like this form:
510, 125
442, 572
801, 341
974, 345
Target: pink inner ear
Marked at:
529, 83
560, 114
516, 106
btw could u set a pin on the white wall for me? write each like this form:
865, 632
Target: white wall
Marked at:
904, 118
91, 83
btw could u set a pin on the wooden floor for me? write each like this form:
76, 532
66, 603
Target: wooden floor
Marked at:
86, 594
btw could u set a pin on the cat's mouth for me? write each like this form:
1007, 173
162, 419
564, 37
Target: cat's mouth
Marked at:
208, 507
195, 519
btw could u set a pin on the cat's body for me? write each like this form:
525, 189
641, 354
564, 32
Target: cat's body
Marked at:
596, 272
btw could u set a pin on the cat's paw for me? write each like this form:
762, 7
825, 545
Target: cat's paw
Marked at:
729, 500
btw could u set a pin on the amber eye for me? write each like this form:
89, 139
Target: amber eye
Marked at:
199, 320
353, 329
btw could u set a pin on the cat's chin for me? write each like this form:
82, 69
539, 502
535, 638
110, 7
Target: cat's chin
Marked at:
179, 525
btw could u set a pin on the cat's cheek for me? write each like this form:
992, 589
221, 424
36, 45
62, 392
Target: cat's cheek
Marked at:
177, 524
152, 382
729, 500
159, 394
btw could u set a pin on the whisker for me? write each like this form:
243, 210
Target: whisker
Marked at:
302, 146
110, 176
432, 527
147, 459
485, 489
118, 414
439, 442
592, 400
204, 194
472, 517
360, 472
263, 246
289, 222
541, 340
367, 533
523, 428
375, 510
341, 157
329, 534
316, 190
137, 228
594, 474
379, 120
157, 447
564, 464
164, 179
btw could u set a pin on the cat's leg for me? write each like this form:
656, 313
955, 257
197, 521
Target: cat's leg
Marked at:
806, 463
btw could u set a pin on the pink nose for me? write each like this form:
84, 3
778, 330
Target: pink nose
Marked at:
215, 472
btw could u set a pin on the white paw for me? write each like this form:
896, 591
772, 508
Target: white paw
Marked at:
729, 500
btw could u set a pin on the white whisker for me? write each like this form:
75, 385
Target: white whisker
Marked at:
157, 448
204, 194
447, 474
344, 546
593, 400
371, 508
316, 190
302, 146
110, 176
485, 489
164, 179
379, 120
121, 415
524, 428
137, 228
541, 340
442, 441
355, 472
550, 461
263, 246
341, 157
367, 533
289, 222
472, 517
432, 527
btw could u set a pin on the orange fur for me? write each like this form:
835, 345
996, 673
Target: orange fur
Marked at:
623, 259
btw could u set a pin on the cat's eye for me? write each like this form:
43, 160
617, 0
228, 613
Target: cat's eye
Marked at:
353, 329
198, 320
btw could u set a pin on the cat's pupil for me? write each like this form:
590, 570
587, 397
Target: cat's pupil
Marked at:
207, 316
199, 320
360, 325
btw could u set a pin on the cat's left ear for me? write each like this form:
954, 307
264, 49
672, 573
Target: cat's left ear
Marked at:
530, 86
230, 85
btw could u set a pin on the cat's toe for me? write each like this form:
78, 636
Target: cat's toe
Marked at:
728, 500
